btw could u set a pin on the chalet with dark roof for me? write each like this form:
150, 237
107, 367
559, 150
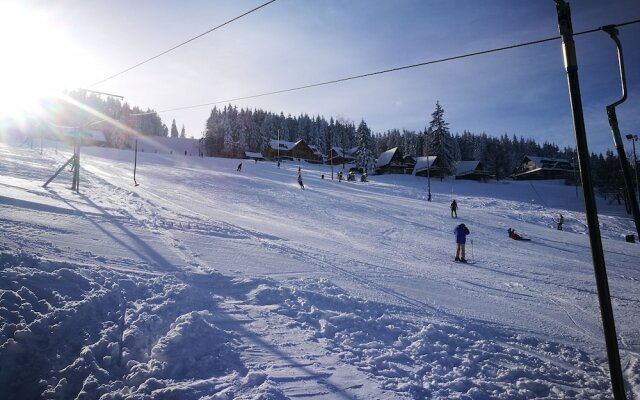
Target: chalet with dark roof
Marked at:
428, 166
537, 168
391, 162
338, 155
472, 170
253, 156
292, 150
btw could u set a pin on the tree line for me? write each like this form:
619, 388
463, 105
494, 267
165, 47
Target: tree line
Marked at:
230, 131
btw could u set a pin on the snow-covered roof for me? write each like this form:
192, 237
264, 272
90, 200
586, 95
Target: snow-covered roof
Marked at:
283, 145
343, 153
466, 167
93, 134
315, 150
253, 155
338, 150
161, 144
551, 163
385, 158
422, 163
540, 160
84, 133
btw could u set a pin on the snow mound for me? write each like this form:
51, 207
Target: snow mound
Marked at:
72, 331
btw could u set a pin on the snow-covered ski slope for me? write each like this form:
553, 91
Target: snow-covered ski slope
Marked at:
205, 282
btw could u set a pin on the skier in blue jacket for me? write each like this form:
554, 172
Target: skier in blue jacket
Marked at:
461, 231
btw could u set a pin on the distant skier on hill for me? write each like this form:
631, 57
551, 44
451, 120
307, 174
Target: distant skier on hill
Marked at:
461, 231
513, 235
560, 222
300, 181
239, 167
454, 209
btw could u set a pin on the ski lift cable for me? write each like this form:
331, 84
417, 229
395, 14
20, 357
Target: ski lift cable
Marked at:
422, 64
182, 44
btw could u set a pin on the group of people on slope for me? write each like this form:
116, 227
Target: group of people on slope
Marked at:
461, 231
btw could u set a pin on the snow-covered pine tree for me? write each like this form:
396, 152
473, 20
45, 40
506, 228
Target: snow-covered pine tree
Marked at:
440, 143
183, 134
364, 157
228, 135
174, 129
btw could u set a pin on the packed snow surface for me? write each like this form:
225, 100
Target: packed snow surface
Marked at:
205, 282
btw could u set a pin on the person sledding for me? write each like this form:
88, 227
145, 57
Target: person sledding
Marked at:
300, 181
515, 236
460, 232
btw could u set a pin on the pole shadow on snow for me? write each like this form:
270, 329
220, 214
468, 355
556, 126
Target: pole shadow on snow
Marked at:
147, 253
307, 372
203, 289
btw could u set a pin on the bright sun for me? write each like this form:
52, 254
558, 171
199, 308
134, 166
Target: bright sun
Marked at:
38, 58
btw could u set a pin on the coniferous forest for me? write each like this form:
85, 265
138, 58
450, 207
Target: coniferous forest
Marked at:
230, 131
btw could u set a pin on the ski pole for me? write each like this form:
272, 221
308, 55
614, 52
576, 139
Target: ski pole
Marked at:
471, 249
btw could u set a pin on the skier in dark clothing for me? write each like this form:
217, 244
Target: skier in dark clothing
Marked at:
300, 181
454, 209
461, 231
239, 167
560, 222
278, 163
513, 235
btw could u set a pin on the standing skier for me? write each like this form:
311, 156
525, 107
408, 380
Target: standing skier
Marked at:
300, 181
461, 231
454, 209
239, 167
560, 222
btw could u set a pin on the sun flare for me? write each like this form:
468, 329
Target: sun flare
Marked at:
39, 59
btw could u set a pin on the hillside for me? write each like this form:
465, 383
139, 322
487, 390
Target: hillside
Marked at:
205, 282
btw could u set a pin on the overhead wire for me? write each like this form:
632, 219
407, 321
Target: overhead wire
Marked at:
183, 43
441, 60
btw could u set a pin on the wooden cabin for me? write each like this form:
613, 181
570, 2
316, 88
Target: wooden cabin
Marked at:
410, 162
391, 162
471, 170
537, 168
292, 150
253, 156
428, 166
337, 156
318, 156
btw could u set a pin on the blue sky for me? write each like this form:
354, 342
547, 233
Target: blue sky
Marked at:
292, 42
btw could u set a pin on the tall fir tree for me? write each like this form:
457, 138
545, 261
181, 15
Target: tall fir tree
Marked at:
183, 134
439, 141
364, 157
174, 129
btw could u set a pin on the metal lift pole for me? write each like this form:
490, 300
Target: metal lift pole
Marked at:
597, 254
135, 164
615, 130
72, 159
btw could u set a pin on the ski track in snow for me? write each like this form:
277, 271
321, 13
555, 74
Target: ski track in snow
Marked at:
204, 283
